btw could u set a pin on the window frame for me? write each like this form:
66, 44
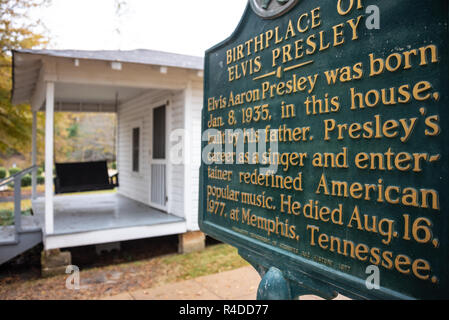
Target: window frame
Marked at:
136, 125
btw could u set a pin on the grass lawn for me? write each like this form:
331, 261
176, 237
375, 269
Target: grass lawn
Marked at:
115, 279
214, 259
40, 188
26, 204
91, 192
7, 211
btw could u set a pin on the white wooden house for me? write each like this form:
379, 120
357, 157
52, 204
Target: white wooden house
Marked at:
156, 96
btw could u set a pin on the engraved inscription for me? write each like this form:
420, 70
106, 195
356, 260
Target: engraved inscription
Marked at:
327, 140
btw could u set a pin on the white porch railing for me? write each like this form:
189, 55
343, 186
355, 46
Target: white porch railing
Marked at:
17, 180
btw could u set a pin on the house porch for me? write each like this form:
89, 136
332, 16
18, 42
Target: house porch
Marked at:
101, 218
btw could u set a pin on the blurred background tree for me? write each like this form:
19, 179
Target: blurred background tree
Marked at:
17, 31
78, 136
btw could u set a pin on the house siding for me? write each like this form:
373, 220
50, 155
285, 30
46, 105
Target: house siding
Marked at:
137, 112
177, 170
195, 134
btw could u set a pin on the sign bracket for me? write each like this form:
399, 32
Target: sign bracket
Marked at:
276, 285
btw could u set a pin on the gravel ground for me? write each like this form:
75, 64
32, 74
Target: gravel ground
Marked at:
94, 283
138, 265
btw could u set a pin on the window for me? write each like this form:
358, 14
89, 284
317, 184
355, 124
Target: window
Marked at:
136, 149
159, 133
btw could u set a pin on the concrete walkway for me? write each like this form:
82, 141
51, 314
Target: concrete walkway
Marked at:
239, 284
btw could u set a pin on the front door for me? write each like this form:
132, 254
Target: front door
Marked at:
158, 187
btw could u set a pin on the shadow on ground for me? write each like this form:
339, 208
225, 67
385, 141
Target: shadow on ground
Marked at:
27, 266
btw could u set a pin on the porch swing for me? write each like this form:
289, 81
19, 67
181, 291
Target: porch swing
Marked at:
83, 176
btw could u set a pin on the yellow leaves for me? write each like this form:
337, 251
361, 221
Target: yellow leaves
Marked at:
16, 32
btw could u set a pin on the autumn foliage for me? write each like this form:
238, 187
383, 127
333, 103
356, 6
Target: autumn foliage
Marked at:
17, 31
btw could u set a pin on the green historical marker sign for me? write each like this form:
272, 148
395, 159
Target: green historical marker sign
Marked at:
325, 147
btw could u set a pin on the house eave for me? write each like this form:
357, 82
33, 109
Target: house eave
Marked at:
28, 66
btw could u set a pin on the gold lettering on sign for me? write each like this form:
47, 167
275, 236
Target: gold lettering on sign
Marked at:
356, 145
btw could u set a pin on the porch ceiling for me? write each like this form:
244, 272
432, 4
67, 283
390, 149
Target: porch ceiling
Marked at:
141, 71
80, 93
80, 97
25, 77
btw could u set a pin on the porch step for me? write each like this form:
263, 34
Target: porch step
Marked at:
25, 241
13, 243
7, 235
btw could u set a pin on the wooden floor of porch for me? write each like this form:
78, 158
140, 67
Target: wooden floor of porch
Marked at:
92, 212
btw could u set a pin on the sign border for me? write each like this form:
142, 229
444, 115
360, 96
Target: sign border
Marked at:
304, 276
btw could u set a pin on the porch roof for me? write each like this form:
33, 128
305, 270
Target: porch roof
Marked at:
141, 56
27, 64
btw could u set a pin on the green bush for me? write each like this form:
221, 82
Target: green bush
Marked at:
3, 173
40, 171
13, 171
40, 180
6, 217
114, 165
26, 180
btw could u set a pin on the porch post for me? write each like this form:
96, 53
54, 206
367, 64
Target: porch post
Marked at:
187, 154
49, 132
34, 156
